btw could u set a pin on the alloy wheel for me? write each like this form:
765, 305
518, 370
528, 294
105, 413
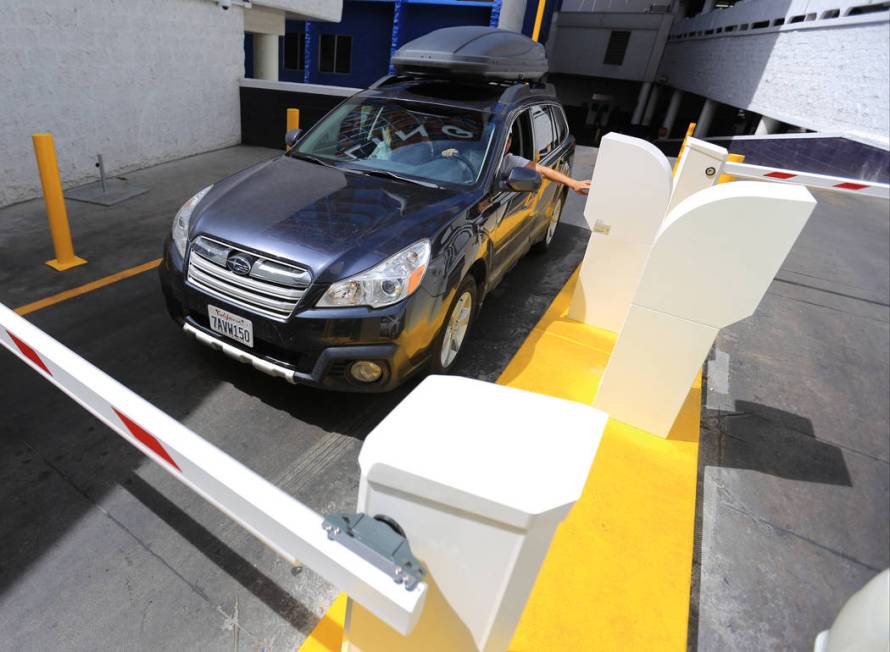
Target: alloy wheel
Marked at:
456, 330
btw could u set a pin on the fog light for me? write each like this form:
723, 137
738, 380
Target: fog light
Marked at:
366, 371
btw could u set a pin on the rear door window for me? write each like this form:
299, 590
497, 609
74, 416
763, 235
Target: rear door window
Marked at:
542, 126
560, 128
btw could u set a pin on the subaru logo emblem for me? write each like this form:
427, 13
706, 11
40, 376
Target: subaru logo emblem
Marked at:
239, 264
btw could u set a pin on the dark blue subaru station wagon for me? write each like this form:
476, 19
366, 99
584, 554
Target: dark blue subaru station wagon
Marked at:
361, 256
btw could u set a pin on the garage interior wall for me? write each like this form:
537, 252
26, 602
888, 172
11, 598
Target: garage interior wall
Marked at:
795, 76
138, 82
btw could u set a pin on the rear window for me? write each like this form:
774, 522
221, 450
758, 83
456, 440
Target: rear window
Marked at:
542, 126
560, 128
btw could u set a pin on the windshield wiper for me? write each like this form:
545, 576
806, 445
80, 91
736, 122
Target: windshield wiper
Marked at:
399, 177
314, 159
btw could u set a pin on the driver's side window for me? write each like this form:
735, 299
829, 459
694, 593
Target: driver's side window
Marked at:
521, 144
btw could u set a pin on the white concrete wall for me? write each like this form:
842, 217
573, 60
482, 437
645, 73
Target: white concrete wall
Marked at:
512, 14
140, 81
825, 75
330, 10
580, 34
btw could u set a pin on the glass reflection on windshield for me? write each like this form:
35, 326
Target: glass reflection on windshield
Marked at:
433, 142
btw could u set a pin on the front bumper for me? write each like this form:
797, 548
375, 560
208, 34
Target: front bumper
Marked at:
314, 346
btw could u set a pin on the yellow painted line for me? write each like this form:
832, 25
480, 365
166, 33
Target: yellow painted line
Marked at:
328, 633
617, 575
87, 287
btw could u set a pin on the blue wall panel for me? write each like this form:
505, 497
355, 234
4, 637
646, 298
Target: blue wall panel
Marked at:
284, 74
248, 54
370, 24
420, 19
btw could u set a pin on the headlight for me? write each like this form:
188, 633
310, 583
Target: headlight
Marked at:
391, 281
182, 219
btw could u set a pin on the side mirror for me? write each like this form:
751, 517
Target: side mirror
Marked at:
292, 136
522, 180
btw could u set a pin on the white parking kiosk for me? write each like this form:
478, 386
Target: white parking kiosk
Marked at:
480, 476
628, 199
712, 262
700, 167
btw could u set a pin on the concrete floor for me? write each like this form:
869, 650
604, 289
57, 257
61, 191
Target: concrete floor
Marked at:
793, 470
100, 549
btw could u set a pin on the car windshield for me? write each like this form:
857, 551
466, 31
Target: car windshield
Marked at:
438, 143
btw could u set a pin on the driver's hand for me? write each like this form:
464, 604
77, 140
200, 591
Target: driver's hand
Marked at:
581, 187
448, 153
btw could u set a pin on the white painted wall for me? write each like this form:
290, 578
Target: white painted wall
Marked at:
825, 75
580, 33
140, 82
512, 14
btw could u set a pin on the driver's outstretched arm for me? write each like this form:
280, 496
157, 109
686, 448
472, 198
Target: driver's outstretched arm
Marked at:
581, 187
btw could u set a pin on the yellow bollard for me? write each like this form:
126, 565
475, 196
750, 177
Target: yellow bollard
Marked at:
689, 131
732, 158
293, 119
45, 151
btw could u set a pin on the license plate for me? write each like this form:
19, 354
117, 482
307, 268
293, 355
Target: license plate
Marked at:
231, 325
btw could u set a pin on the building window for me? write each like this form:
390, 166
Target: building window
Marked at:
335, 53
295, 50
617, 48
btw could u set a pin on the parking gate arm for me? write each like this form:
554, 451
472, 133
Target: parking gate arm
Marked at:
810, 179
291, 529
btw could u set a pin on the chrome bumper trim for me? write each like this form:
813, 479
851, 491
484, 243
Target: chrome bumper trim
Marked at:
241, 356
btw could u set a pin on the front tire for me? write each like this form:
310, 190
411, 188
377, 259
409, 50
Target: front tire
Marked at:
543, 244
456, 327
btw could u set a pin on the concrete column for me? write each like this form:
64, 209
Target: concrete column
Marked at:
266, 25
265, 56
641, 103
707, 8
671, 116
703, 124
650, 106
767, 126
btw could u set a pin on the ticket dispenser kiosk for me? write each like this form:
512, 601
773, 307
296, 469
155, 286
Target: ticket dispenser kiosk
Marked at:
479, 476
628, 199
713, 260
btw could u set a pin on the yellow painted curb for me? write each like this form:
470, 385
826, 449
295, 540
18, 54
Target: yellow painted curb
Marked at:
617, 575
328, 633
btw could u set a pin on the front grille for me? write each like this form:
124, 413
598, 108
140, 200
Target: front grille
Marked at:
253, 291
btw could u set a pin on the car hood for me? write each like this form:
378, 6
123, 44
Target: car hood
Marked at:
335, 223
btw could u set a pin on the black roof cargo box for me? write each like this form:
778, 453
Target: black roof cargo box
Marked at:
473, 51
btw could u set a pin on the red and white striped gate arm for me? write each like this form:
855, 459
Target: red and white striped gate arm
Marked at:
808, 179
284, 524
